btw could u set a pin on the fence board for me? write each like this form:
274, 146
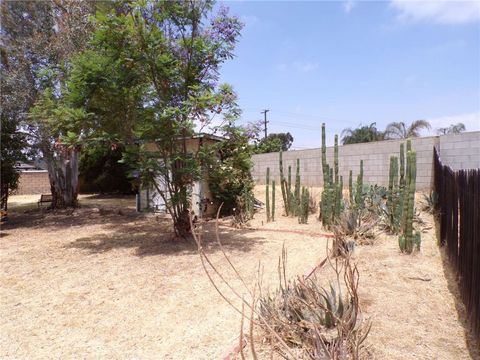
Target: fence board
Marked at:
459, 217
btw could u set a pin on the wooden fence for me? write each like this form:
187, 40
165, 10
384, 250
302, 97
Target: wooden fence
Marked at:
459, 209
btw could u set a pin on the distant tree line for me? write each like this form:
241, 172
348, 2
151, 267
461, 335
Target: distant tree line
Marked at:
394, 130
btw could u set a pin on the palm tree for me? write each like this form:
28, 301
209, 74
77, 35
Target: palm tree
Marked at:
361, 134
399, 130
452, 129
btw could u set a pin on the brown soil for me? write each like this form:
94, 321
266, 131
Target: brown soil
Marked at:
102, 283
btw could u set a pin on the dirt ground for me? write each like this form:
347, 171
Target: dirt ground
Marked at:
105, 282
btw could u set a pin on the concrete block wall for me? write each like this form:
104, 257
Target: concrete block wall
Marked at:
33, 182
461, 151
376, 159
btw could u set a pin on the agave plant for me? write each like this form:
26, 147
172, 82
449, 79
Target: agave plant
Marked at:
430, 202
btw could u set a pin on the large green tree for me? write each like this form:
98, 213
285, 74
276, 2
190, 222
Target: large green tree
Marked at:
148, 80
12, 142
274, 142
37, 40
362, 134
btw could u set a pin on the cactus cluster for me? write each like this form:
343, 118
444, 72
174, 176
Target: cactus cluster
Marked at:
408, 240
401, 197
292, 198
359, 194
331, 205
304, 206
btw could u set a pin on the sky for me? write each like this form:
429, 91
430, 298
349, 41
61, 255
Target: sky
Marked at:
348, 63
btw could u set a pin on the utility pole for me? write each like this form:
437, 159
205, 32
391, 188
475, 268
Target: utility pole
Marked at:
264, 112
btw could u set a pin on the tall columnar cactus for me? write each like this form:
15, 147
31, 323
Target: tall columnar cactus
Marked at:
335, 158
392, 199
359, 197
297, 197
407, 239
338, 200
289, 182
402, 166
331, 204
303, 208
273, 201
283, 183
350, 187
325, 170
267, 194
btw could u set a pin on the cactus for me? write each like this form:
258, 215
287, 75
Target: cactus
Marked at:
325, 170
296, 198
283, 183
350, 187
303, 208
335, 158
273, 201
267, 194
359, 197
402, 166
407, 240
331, 205
289, 182
392, 199
338, 201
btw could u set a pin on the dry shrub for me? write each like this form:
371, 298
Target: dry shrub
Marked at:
316, 320
303, 319
353, 225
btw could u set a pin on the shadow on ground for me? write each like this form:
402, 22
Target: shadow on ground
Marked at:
93, 209
121, 226
156, 237
453, 286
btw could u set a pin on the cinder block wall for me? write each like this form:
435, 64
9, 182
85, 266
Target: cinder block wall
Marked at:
461, 151
376, 159
33, 182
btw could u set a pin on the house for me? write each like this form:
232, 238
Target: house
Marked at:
202, 203
33, 179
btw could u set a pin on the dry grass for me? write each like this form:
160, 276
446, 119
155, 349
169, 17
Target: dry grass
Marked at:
97, 284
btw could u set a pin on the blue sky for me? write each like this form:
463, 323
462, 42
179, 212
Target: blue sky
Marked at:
352, 62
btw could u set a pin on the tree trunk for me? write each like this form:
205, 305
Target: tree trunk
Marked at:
63, 176
4, 197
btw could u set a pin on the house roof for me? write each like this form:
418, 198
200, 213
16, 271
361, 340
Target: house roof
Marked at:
208, 136
21, 166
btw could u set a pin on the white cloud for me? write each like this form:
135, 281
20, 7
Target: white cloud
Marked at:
438, 11
470, 120
305, 67
299, 66
349, 5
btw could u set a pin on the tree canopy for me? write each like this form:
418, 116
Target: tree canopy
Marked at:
148, 79
274, 142
361, 134
452, 129
399, 130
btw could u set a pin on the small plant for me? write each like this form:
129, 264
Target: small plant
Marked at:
430, 202
309, 316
